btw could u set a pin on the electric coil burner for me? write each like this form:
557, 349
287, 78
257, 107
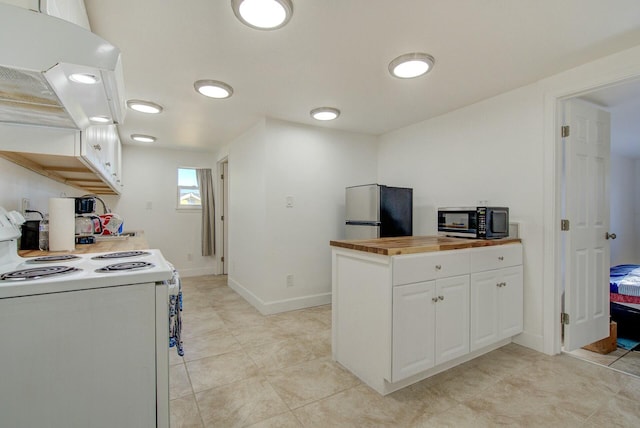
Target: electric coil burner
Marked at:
121, 254
49, 259
37, 273
125, 266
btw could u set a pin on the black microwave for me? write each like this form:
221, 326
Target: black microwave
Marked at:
474, 222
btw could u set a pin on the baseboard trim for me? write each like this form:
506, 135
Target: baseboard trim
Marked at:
274, 307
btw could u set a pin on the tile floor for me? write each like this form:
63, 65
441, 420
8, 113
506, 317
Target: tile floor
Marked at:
620, 359
244, 369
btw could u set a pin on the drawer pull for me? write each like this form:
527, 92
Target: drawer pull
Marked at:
438, 267
501, 284
434, 299
97, 147
441, 297
500, 258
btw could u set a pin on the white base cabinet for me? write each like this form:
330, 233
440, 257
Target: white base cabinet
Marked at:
400, 319
430, 325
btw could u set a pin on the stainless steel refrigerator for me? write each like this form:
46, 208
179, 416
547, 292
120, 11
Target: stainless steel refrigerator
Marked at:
376, 211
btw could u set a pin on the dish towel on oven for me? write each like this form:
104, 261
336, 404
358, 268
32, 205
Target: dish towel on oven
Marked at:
175, 313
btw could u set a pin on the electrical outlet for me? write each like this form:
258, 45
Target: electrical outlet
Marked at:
290, 280
26, 205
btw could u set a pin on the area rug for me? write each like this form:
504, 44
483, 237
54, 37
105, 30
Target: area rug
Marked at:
627, 344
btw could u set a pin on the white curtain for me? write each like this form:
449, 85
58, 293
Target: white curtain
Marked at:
205, 183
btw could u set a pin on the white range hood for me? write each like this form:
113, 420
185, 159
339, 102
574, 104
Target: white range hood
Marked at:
38, 53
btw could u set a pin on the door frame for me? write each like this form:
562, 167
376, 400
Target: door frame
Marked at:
570, 87
222, 237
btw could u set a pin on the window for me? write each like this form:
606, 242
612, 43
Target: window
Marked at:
188, 190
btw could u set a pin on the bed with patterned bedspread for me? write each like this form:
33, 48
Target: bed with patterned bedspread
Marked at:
624, 292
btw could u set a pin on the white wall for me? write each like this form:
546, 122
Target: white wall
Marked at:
624, 185
269, 241
148, 202
488, 151
17, 182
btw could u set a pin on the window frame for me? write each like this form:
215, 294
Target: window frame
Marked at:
179, 189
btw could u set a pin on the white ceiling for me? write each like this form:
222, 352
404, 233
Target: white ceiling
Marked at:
336, 53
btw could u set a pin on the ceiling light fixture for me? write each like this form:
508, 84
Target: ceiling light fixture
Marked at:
325, 113
411, 65
143, 138
86, 78
213, 89
144, 106
100, 119
263, 14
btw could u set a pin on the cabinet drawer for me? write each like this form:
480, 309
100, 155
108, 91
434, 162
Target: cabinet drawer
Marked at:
412, 268
496, 257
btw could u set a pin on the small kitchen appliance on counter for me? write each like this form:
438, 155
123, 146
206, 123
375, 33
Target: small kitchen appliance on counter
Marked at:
474, 222
377, 211
77, 364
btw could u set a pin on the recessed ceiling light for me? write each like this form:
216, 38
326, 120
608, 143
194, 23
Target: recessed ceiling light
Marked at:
213, 88
100, 119
263, 14
143, 138
411, 65
325, 113
144, 106
86, 78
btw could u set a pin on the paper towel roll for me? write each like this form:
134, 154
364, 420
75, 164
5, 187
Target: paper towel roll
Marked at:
62, 224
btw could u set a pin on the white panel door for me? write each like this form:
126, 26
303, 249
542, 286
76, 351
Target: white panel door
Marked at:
452, 318
413, 329
586, 206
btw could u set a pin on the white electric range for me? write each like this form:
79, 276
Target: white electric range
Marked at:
84, 337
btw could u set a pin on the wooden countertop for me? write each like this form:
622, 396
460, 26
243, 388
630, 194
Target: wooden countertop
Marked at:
417, 244
108, 245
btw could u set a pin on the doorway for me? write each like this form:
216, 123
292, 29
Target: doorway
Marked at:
622, 101
223, 218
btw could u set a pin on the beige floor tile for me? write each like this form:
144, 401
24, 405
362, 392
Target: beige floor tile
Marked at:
201, 324
240, 404
277, 355
184, 413
210, 344
619, 411
463, 382
259, 334
419, 402
285, 420
179, 384
594, 357
355, 407
318, 341
459, 416
298, 322
310, 381
211, 372
241, 317
519, 402
630, 363
174, 358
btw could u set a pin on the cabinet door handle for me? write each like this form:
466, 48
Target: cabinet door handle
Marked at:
107, 164
97, 147
438, 267
498, 284
501, 258
434, 299
441, 297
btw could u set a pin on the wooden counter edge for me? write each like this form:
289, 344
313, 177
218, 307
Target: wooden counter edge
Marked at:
396, 251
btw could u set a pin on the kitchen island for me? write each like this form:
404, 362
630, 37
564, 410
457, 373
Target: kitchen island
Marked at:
129, 241
407, 308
